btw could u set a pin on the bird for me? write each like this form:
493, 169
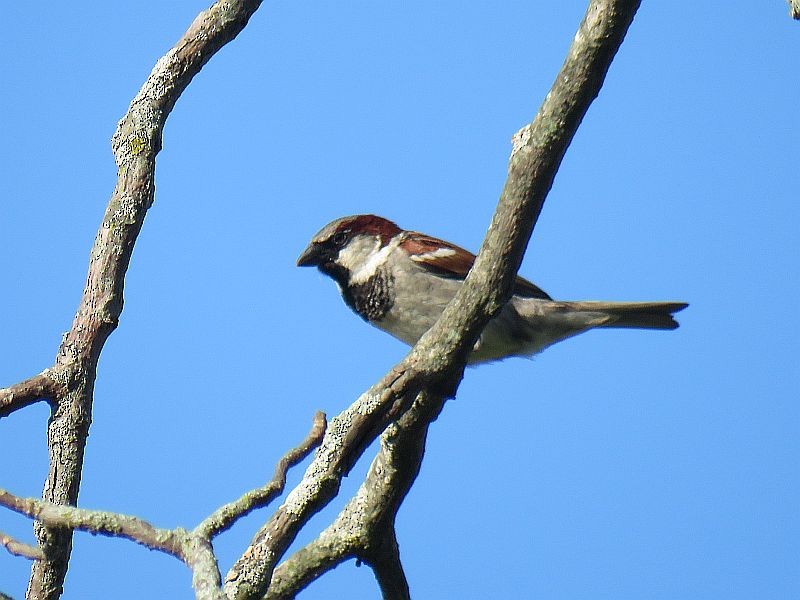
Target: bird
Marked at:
401, 281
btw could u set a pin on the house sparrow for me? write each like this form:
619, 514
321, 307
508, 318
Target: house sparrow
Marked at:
400, 281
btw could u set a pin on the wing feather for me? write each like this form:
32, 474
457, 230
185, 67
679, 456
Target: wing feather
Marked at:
448, 260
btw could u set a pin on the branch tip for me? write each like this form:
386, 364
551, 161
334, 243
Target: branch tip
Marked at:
21, 549
225, 516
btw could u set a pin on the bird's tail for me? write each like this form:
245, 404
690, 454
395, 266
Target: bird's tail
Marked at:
637, 315
545, 322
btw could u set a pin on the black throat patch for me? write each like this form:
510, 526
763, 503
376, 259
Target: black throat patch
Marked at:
371, 299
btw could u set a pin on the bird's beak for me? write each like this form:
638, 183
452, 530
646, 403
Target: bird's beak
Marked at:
311, 256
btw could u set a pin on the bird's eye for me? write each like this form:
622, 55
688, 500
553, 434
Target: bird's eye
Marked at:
340, 238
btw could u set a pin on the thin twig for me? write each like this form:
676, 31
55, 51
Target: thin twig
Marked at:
18, 548
225, 516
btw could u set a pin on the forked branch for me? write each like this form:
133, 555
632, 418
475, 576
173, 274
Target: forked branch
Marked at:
437, 361
433, 368
191, 547
136, 143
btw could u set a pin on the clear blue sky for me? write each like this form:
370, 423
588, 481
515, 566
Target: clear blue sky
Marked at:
616, 465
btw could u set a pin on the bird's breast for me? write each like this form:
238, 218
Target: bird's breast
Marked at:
371, 299
418, 299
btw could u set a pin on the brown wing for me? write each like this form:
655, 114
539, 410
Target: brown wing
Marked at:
526, 289
448, 260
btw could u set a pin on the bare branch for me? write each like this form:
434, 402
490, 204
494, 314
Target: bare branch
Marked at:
794, 9
135, 144
39, 387
225, 516
347, 436
324, 553
191, 549
198, 555
436, 363
366, 524
437, 360
388, 569
95, 521
18, 548
537, 155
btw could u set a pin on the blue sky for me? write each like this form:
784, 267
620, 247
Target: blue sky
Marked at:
620, 464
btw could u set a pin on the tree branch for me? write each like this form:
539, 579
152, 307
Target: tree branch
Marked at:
388, 568
367, 521
198, 554
347, 436
191, 549
225, 516
437, 361
39, 387
435, 365
324, 553
537, 154
95, 521
18, 548
136, 142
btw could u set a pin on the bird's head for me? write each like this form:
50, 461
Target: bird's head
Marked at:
350, 248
